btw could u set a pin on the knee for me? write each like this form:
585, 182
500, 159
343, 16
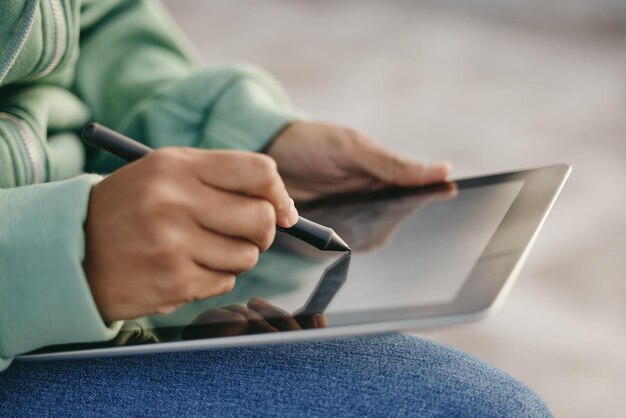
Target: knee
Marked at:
444, 381
476, 388
500, 395
518, 400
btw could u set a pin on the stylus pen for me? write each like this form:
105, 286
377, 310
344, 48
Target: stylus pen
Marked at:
130, 150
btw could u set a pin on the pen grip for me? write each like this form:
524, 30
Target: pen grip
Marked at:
130, 150
315, 234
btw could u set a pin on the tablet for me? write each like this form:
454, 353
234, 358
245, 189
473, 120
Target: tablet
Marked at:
421, 257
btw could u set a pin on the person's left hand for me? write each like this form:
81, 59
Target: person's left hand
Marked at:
316, 158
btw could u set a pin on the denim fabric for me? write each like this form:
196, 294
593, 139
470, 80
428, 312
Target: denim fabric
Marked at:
392, 375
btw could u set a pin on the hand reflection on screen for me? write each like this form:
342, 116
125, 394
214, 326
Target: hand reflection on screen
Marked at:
258, 317
366, 224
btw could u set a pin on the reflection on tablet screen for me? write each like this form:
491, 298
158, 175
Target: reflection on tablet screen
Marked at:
430, 254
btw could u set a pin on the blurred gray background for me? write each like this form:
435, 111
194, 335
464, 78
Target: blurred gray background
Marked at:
492, 86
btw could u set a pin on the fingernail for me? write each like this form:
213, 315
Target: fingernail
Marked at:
320, 321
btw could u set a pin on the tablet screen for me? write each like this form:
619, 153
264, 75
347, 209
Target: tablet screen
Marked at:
416, 253
434, 243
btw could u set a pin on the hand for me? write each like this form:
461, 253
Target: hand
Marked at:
258, 317
315, 159
179, 225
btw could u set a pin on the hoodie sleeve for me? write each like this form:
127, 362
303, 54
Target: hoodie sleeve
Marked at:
139, 75
44, 296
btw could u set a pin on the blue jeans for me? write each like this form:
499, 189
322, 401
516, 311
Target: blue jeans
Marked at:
389, 375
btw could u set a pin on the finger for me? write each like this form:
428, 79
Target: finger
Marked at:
280, 319
215, 323
219, 252
448, 191
397, 170
306, 321
320, 321
235, 215
256, 323
410, 202
210, 283
248, 173
312, 321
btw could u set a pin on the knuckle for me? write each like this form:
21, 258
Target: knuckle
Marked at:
267, 238
166, 250
161, 199
266, 214
226, 283
161, 160
248, 257
152, 197
265, 169
218, 284
266, 223
211, 284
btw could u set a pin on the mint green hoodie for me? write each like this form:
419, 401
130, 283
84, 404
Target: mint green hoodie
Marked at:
122, 63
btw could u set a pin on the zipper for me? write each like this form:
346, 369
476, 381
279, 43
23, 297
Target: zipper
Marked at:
15, 45
59, 38
33, 152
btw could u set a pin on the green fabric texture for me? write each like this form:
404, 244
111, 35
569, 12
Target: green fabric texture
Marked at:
125, 64
157, 93
16, 23
38, 110
52, 305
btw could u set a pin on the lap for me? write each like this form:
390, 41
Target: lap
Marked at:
389, 375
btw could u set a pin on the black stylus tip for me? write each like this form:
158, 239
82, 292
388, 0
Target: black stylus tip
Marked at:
337, 244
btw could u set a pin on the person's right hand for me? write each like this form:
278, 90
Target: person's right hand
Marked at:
179, 225
258, 317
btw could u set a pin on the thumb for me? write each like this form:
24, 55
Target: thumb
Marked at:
396, 170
